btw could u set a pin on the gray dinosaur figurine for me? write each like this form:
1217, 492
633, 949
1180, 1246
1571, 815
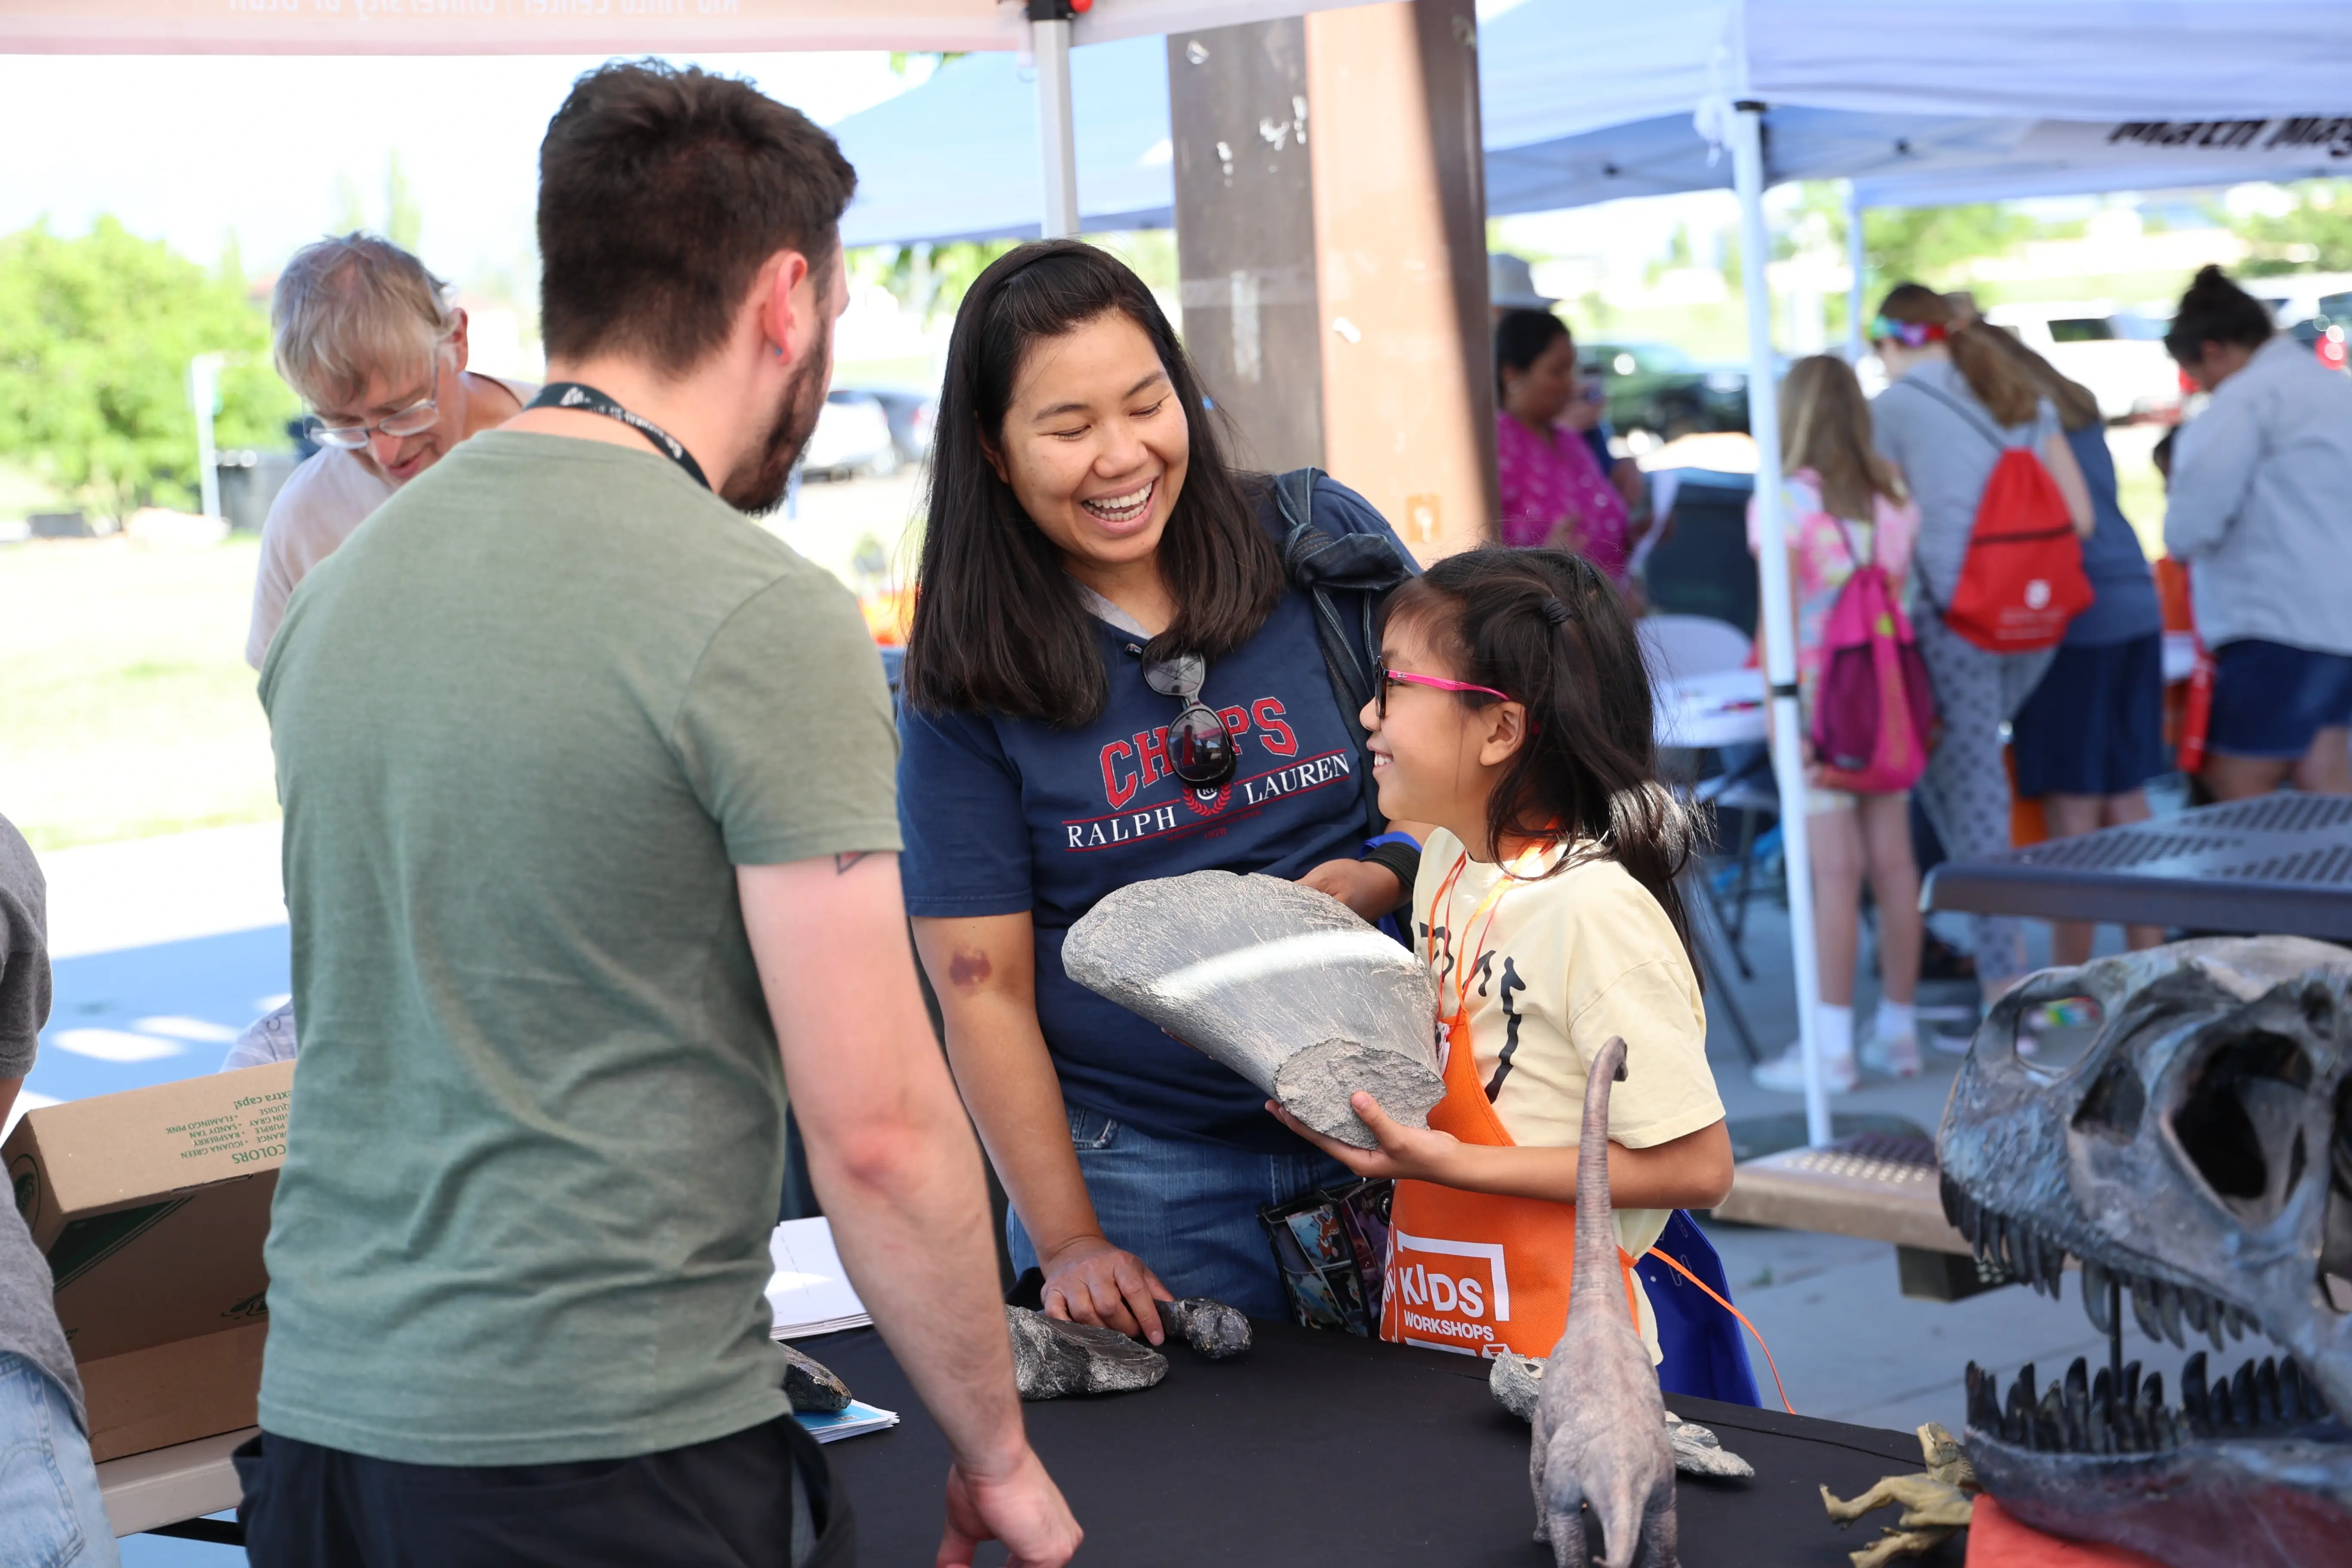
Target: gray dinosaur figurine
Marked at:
1600, 1424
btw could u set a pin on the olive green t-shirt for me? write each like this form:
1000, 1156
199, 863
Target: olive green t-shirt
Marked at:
528, 720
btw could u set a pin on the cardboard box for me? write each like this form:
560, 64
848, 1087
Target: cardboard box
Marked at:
152, 1206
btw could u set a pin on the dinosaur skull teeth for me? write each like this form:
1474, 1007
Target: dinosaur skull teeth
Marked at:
2083, 1414
2163, 1309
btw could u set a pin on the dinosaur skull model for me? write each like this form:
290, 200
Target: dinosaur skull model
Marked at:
2197, 1158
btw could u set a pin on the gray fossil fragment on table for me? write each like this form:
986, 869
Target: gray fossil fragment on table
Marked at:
1517, 1383
1052, 1358
1700, 1452
809, 1385
1212, 1329
1279, 983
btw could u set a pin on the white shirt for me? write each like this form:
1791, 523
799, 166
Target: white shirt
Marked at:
2261, 506
329, 495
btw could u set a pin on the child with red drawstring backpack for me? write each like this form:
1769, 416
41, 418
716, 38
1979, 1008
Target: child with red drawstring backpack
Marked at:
1996, 571
1850, 527
1513, 711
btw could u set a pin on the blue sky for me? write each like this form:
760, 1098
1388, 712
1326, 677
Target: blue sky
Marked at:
189, 148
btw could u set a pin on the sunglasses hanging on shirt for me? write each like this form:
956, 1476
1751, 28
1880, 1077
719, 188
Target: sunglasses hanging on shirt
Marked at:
1201, 751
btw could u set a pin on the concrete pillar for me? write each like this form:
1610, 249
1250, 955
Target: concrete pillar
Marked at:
1330, 221
1401, 265
1246, 235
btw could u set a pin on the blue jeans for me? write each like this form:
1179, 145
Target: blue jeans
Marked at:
1188, 1209
50, 1511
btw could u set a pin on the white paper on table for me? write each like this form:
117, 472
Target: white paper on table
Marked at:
810, 1292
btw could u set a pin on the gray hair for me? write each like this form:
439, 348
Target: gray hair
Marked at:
351, 307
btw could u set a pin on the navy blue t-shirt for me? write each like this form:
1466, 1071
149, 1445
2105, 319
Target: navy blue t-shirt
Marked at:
2126, 606
1003, 816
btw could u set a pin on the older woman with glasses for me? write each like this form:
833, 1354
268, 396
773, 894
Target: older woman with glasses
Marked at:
373, 345
1112, 676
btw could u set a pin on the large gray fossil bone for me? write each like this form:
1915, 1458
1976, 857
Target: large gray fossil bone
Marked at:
1279, 983
1600, 1423
809, 1385
1052, 1358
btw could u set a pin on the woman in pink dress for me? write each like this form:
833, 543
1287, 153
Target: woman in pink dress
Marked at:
1553, 490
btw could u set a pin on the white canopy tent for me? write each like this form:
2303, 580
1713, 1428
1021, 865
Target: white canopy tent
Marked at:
1043, 28
1932, 100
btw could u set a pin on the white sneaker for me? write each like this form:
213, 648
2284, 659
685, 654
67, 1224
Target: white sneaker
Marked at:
1785, 1074
1898, 1056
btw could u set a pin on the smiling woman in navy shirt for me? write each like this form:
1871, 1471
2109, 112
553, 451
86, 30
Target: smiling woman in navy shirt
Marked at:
1109, 678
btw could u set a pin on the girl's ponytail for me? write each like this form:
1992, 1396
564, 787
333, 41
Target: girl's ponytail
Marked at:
2007, 392
1547, 628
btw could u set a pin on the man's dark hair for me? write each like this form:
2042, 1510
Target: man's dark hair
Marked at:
661, 191
999, 627
2216, 311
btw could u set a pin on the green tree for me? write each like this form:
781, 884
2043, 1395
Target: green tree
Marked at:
2316, 233
928, 279
96, 335
1927, 245
403, 216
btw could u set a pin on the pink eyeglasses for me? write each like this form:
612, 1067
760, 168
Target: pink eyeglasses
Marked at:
1386, 677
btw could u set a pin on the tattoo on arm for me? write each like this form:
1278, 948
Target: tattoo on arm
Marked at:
842, 863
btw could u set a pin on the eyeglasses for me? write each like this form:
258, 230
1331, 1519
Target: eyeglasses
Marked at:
1387, 677
1201, 751
414, 420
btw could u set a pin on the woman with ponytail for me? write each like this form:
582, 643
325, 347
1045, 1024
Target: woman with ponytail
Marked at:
1955, 406
1513, 711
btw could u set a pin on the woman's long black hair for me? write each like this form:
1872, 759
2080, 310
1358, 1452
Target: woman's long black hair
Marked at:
1545, 626
998, 625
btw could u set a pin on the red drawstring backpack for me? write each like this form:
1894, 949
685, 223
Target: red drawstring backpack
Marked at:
2022, 580
1874, 711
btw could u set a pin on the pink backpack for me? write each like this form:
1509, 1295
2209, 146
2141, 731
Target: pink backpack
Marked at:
1874, 711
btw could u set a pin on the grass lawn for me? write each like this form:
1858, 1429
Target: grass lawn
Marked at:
126, 708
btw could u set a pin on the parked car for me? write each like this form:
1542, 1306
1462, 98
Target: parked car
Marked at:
911, 415
2324, 331
1659, 389
852, 436
2117, 353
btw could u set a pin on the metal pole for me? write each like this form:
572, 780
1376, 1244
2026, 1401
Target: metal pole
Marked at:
1775, 604
204, 372
1857, 259
1056, 134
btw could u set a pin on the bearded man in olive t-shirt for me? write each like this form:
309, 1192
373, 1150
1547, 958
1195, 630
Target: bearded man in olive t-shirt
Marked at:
590, 849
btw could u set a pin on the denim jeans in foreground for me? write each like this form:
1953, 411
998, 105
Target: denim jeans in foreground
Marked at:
1188, 1209
51, 1515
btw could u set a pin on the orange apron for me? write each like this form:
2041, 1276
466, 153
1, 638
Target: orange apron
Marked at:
1477, 1272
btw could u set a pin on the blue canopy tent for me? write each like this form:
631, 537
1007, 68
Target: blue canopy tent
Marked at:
956, 158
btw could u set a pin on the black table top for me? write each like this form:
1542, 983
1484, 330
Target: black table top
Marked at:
1317, 1449
2280, 865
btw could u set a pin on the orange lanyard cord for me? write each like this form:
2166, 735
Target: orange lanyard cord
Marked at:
1676, 1264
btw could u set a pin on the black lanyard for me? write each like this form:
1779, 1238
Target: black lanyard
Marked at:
586, 398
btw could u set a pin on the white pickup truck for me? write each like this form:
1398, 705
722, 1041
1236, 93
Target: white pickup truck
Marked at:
2117, 352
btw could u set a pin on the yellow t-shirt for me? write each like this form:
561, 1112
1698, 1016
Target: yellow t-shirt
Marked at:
1562, 963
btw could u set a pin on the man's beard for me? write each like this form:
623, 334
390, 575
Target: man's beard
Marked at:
757, 485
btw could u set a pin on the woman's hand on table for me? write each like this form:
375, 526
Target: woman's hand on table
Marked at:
1021, 1508
1366, 887
1088, 1280
1416, 1153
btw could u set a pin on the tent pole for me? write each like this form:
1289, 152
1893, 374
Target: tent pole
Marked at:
1857, 259
1775, 605
1056, 135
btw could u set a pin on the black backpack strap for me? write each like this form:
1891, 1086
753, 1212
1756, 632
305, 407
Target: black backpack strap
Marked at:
1365, 566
